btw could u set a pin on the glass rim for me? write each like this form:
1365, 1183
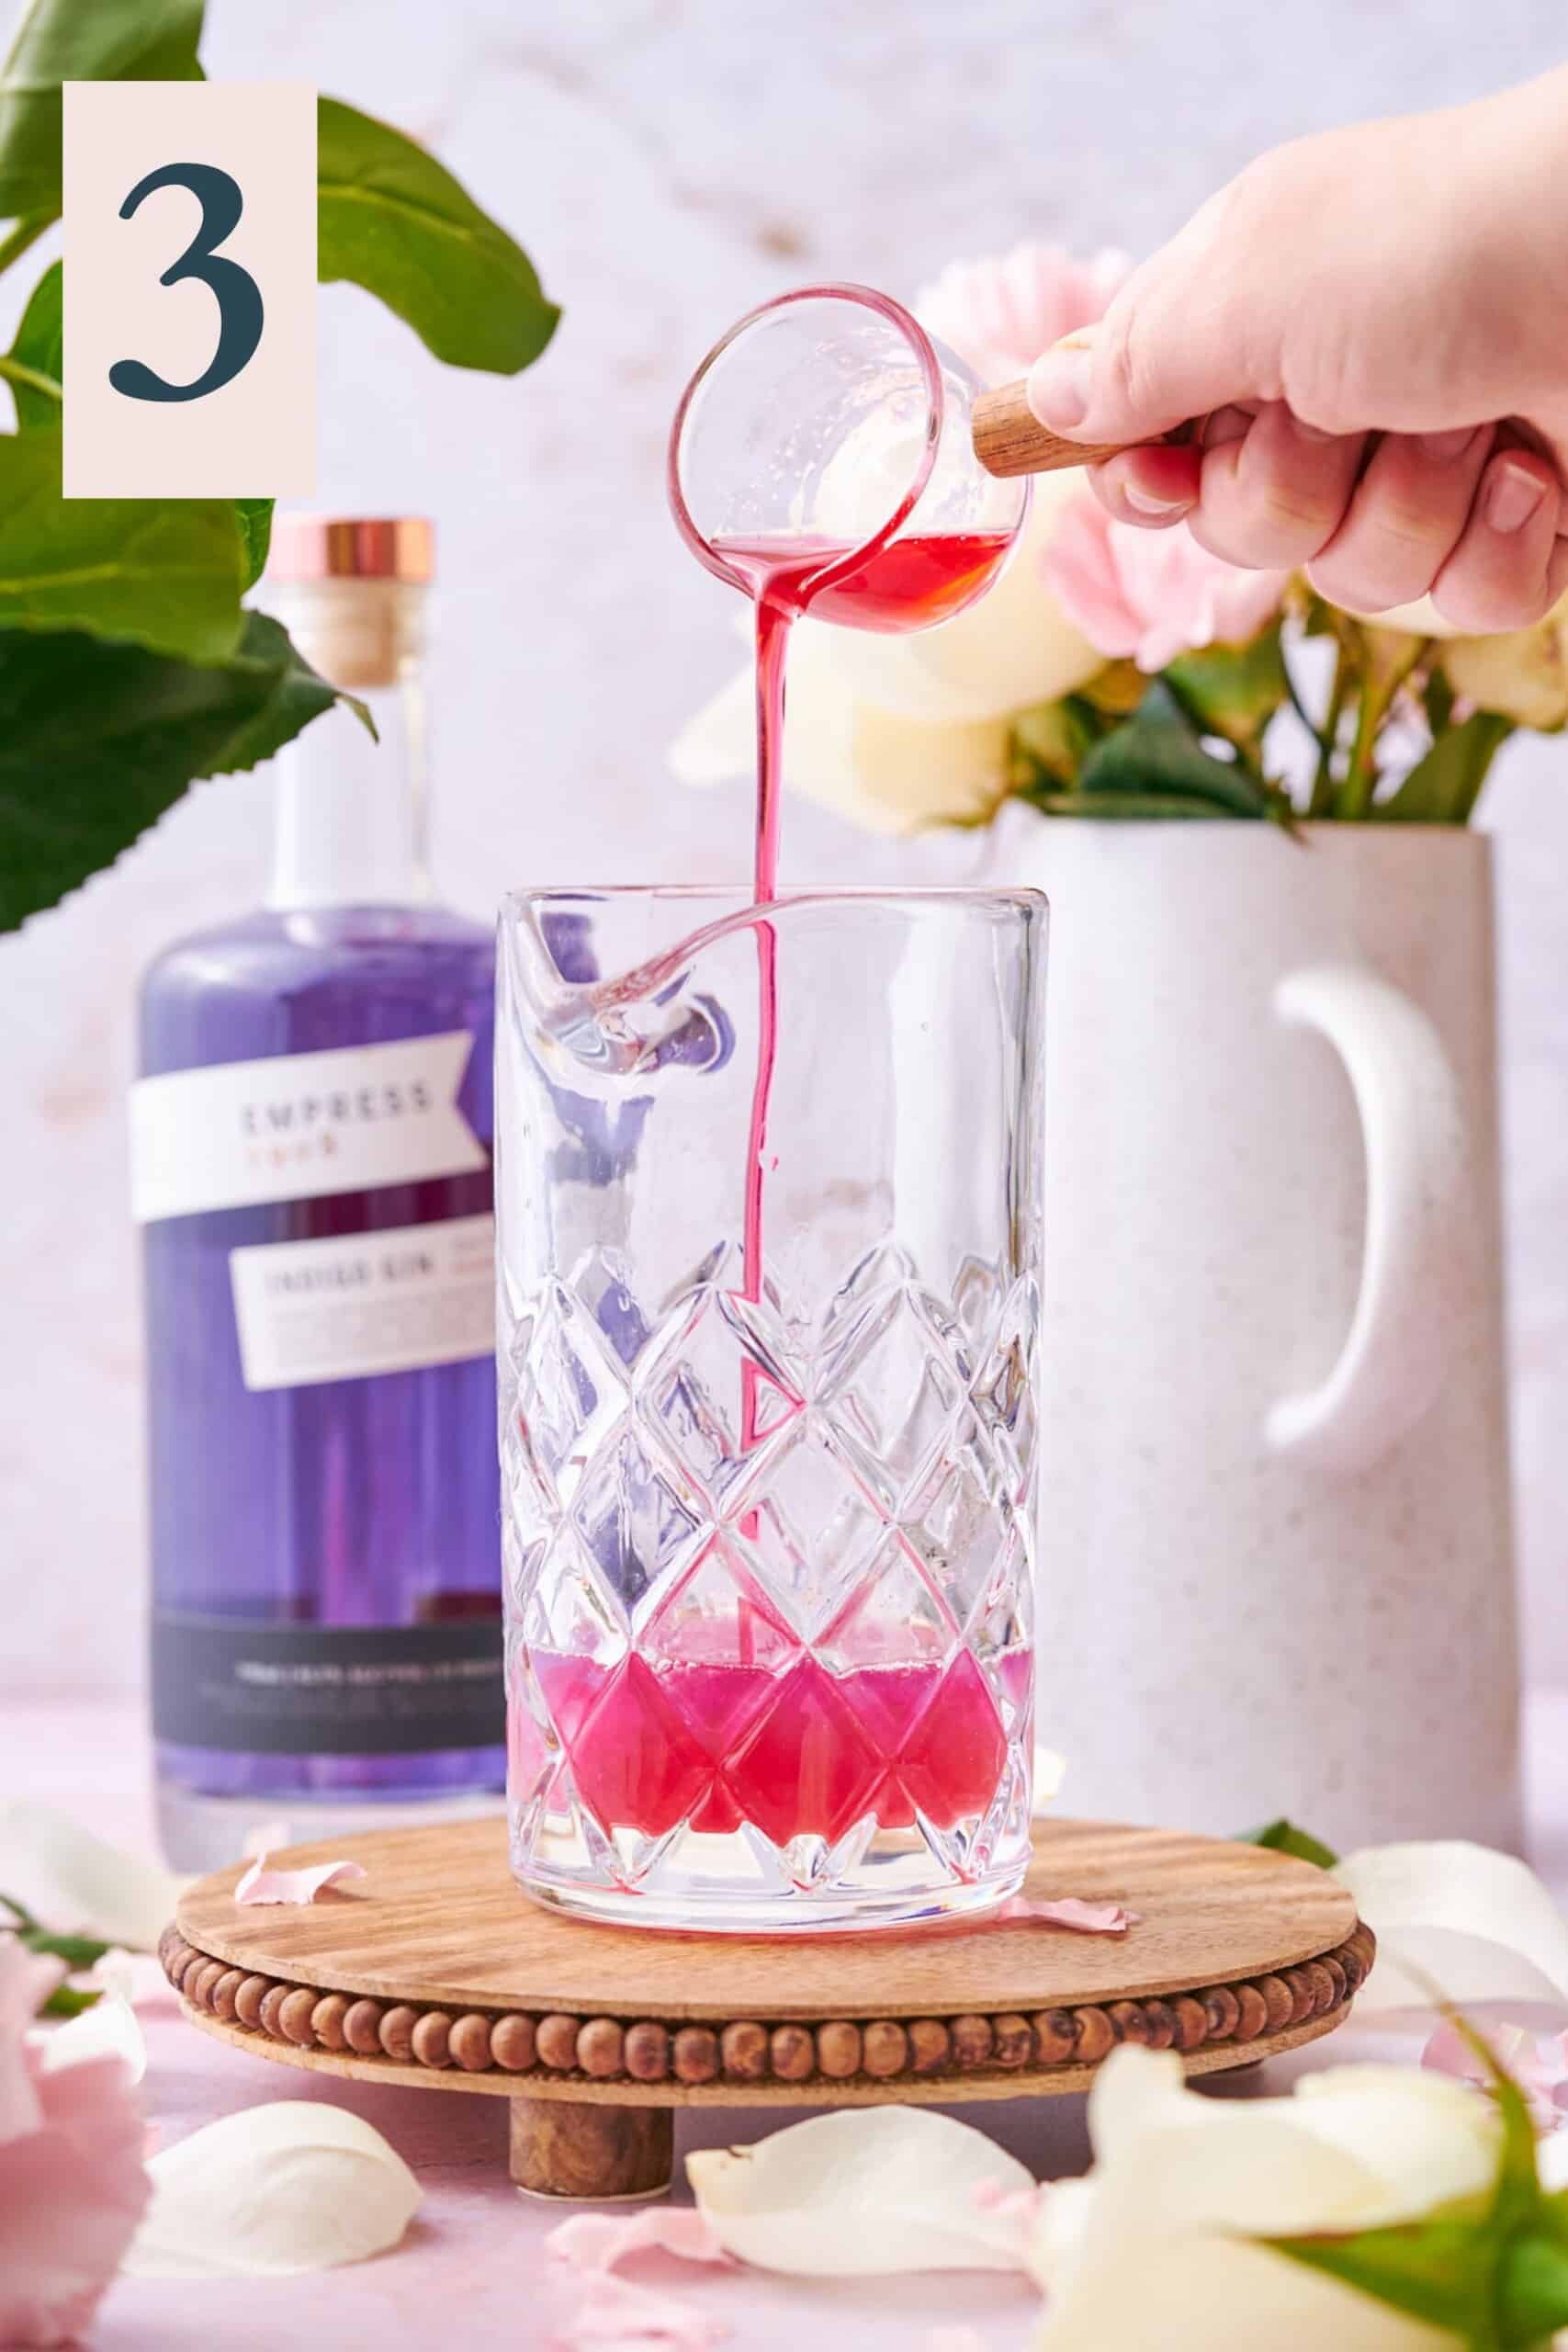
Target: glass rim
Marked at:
1022, 898
904, 322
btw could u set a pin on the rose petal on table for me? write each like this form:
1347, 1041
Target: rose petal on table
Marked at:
1457, 1921
78, 1883
294, 2185
600, 2241
1067, 1911
109, 2030
872, 2191
261, 1885
616, 2311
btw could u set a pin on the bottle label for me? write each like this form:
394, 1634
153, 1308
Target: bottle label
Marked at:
293, 1126
270, 1689
355, 1304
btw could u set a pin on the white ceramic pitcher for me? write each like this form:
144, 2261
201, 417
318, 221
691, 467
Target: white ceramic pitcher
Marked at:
1277, 1569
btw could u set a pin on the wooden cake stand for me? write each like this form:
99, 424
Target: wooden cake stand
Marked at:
436, 1970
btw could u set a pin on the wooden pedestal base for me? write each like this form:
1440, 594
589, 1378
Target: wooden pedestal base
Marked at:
439, 1972
611, 2155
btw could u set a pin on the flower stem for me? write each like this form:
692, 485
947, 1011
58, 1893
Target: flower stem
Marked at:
1323, 784
16, 371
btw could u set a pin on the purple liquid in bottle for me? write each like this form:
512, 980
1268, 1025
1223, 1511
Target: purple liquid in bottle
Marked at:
326, 1565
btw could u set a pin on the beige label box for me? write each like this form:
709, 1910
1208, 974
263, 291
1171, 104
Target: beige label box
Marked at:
204, 387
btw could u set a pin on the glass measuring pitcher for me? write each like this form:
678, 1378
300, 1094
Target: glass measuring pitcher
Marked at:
769, 1556
826, 439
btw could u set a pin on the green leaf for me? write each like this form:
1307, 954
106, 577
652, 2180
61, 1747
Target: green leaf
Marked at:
1283, 1838
297, 694
1232, 690
98, 740
163, 573
1158, 752
1443, 787
1124, 808
1532, 2291
20, 1918
1050, 741
1438, 2270
66, 2001
38, 350
394, 221
79, 40
255, 534
78, 1951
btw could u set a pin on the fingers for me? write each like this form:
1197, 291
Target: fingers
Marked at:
1273, 491
1502, 572
1403, 521
1453, 514
1262, 490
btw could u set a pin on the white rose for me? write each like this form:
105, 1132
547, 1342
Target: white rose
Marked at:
1154, 2247
1523, 672
898, 733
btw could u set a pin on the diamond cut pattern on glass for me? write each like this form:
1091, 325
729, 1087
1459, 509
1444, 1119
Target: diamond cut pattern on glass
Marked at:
808, 1643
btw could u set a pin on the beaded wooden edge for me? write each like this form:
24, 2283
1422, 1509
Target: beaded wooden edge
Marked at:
434, 1971
531, 2058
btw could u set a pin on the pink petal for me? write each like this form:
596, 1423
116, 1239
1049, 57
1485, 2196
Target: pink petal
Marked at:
261, 1885
1538, 2067
71, 2193
1068, 1911
614, 2311
1079, 568
954, 2339
999, 312
599, 2240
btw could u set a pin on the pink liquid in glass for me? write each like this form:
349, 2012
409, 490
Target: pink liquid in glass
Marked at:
804, 1752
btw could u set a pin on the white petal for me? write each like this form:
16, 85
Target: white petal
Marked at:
880, 769
1426, 2136
869, 2192
298, 2185
1050, 1772
1185, 2178
76, 1883
1478, 1924
109, 2030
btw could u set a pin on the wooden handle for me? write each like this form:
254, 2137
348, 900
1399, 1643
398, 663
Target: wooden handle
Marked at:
1010, 438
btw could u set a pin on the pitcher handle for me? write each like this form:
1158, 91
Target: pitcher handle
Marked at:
1418, 1266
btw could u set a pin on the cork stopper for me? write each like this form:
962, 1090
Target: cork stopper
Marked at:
351, 591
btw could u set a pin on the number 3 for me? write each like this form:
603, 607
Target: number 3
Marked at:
238, 295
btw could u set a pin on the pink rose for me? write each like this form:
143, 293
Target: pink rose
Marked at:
72, 2184
999, 314
1149, 595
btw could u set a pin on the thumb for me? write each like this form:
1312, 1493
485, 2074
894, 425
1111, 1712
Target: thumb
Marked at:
1172, 345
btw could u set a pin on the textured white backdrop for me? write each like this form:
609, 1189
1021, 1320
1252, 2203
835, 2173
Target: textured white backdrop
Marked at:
669, 164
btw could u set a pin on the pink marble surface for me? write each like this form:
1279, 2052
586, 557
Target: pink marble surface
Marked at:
475, 2258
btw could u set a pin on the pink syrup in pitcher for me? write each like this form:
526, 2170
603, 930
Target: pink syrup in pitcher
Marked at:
759, 1730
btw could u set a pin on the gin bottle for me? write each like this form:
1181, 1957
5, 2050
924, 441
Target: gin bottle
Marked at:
311, 1141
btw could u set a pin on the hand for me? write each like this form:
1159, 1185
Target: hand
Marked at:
1370, 327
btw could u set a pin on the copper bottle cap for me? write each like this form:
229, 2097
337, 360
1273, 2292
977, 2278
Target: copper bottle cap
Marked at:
332, 546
